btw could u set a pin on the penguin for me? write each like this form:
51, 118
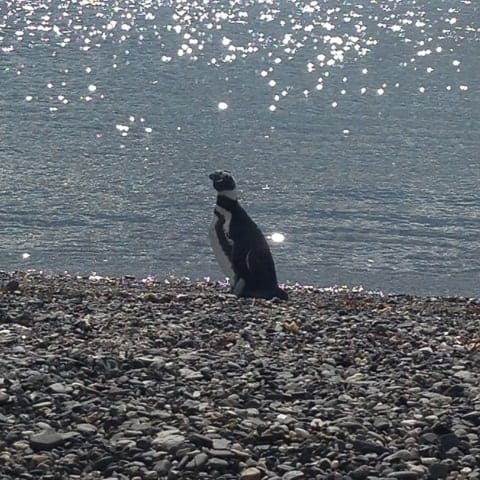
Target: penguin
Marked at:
239, 245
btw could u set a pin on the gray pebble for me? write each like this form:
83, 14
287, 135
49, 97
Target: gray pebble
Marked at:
86, 428
46, 440
251, 473
197, 461
293, 475
218, 463
404, 475
201, 440
362, 473
168, 440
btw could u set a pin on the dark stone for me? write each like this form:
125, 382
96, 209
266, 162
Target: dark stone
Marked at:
449, 441
438, 471
440, 428
103, 462
362, 472
473, 417
11, 286
455, 391
364, 447
46, 440
429, 437
201, 440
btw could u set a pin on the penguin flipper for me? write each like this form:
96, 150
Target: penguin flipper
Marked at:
259, 263
261, 278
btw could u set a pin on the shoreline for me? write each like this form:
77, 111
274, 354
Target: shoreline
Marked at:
129, 379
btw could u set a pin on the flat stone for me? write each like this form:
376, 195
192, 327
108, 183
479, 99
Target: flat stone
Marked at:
399, 455
438, 470
251, 473
86, 428
368, 447
449, 441
222, 453
38, 458
293, 475
473, 417
168, 440
190, 374
201, 440
60, 388
404, 475
46, 440
218, 463
162, 467
362, 472
197, 461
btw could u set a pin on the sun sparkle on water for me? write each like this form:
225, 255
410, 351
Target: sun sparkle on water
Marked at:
277, 237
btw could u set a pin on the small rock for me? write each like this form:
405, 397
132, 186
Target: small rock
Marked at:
399, 455
218, 463
190, 374
38, 458
163, 466
368, 447
362, 472
438, 470
197, 461
201, 440
46, 440
293, 475
449, 441
251, 473
86, 428
404, 475
59, 388
168, 440
11, 287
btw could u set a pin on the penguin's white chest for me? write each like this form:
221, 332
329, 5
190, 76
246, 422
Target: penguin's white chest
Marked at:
218, 234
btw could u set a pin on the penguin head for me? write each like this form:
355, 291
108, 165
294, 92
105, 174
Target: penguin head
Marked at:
223, 181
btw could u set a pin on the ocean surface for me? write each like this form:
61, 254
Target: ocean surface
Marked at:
352, 128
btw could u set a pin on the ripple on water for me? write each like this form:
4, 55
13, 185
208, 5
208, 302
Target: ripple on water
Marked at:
117, 99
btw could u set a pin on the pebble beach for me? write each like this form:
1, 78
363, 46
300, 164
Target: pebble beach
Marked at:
126, 379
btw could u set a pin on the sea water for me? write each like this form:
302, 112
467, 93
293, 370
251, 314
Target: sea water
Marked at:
352, 128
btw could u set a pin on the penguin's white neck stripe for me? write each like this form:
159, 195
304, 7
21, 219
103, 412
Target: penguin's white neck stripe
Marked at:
231, 194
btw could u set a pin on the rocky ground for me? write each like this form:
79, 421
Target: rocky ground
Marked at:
124, 379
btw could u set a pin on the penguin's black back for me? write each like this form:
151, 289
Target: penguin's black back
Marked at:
251, 257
